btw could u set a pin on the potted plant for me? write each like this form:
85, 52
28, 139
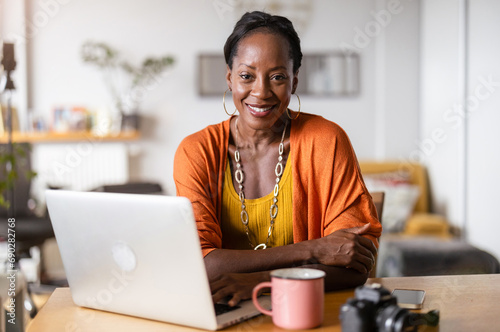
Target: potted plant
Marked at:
128, 84
12, 159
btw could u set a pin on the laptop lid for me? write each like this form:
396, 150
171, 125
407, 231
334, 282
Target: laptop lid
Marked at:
137, 255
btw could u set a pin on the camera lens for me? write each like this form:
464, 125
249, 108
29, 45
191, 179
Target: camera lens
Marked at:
392, 318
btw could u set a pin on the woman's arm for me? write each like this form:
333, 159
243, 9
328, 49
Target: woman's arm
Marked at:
235, 272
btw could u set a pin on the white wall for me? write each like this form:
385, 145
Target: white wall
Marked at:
483, 179
186, 28
461, 98
399, 75
441, 88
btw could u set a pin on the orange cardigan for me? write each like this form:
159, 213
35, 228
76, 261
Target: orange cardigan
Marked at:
328, 191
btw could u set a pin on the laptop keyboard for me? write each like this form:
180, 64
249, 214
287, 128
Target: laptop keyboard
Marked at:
221, 308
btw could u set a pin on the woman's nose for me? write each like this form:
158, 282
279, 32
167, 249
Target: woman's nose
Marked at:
261, 88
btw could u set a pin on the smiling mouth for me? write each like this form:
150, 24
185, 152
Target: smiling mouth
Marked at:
260, 109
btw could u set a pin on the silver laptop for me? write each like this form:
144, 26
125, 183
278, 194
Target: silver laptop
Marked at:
137, 255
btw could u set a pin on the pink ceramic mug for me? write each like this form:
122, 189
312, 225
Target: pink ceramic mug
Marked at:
297, 297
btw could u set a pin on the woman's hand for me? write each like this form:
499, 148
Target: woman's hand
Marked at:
238, 286
346, 247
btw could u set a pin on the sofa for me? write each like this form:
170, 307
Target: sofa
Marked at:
415, 241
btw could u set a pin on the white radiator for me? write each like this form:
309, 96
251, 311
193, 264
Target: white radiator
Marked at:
78, 166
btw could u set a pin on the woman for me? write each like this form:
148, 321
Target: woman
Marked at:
270, 178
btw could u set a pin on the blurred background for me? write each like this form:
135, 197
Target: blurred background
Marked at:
411, 82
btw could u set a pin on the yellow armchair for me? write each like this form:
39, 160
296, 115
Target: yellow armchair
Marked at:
421, 221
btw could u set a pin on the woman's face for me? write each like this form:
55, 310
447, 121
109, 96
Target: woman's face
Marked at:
262, 79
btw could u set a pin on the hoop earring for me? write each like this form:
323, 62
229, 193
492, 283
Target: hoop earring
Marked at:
288, 110
224, 104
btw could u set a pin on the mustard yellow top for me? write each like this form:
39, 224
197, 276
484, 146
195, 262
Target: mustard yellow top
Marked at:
233, 231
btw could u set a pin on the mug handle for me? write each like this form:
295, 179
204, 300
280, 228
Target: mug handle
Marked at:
256, 301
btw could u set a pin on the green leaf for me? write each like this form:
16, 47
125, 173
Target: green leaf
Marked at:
4, 203
30, 175
19, 150
19, 156
11, 176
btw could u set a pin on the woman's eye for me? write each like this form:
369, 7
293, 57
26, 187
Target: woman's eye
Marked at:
279, 77
245, 76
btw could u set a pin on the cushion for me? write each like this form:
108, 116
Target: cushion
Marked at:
416, 173
400, 198
427, 224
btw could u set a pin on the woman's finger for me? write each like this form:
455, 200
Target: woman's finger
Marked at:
367, 243
358, 267
366, 262
215, 286
364, 251
235, 299
221, 294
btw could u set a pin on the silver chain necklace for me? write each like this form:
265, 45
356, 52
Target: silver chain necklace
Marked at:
238, 174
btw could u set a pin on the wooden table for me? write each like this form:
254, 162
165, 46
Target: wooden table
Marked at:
466, 303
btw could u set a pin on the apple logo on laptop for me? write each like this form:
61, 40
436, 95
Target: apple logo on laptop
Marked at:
124, 257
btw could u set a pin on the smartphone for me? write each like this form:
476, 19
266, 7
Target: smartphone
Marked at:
409, 298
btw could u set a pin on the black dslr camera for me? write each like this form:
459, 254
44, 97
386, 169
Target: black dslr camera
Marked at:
374, 309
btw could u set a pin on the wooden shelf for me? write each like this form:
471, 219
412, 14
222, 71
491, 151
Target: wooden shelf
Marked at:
47, 137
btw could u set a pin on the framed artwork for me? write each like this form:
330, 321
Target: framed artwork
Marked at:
330, 74
212, 75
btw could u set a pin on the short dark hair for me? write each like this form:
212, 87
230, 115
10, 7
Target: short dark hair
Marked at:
260, 21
